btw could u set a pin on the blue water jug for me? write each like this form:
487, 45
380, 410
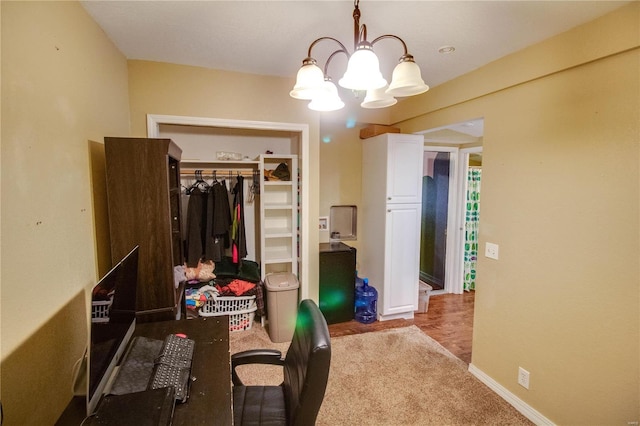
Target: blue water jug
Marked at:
359, 281
366, 303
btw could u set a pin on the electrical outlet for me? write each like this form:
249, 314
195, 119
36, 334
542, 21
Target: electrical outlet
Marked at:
523, 377
491, 250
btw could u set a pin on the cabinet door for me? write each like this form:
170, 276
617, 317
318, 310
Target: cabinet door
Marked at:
402, 259
404, 168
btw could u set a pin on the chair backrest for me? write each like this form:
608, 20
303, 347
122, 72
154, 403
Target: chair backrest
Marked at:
306, 366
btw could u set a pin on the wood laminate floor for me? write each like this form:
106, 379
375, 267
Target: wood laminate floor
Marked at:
449, 321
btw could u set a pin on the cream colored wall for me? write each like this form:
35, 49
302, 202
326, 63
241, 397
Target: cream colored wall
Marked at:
341, 154
560, 195
168, 89
340, 171
562, 301
64, 86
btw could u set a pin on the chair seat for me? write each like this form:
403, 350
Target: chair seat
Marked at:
259, 406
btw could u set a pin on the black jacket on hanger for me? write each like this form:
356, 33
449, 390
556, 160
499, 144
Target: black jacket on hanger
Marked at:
220, 215
239, 238
196, 226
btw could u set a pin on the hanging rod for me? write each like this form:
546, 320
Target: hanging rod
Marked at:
220, 173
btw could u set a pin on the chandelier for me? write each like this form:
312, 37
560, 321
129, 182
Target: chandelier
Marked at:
362, 74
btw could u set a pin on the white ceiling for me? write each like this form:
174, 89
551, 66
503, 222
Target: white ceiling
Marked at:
470, 131
272, 37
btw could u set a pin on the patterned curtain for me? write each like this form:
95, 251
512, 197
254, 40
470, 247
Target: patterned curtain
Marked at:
472, 218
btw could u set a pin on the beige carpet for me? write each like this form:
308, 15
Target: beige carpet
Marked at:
393, 377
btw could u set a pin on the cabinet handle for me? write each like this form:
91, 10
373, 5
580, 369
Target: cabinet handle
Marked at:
388, 211
389, 198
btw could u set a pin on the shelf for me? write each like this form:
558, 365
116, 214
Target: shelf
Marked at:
274, 206
271, 260
275, 255
278, 267
278, 233
226, 163
278, 183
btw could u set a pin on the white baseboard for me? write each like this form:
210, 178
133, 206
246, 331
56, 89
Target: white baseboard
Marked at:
402, 315
505, 394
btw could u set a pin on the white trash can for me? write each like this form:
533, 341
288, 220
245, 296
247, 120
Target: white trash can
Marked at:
282, 305
424, 291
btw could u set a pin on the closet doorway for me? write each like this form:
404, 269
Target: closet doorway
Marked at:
450, 151
256, 137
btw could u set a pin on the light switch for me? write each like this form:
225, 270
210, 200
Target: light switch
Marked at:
491, 250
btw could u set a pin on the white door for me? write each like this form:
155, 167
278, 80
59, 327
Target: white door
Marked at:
402, 257
404, 168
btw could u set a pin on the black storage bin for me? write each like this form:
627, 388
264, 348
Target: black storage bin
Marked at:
337, 281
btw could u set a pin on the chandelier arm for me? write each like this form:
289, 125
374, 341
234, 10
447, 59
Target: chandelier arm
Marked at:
316, 41
326, 64
404, 45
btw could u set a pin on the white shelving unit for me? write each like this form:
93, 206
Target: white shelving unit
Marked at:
279, 217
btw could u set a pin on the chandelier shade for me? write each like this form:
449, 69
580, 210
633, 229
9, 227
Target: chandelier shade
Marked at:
406, 79
362, 74
378, 98
326, 98
309, 80
363, 70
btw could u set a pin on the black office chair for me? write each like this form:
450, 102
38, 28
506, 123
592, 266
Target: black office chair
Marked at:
306, 370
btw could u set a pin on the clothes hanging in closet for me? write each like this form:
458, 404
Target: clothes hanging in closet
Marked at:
196, 225
208, 223
221, 217
238, 235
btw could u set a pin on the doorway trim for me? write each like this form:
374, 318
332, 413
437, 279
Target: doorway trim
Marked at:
454, 253
463, 170
302, 130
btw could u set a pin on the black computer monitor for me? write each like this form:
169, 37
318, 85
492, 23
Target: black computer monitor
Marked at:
113, 318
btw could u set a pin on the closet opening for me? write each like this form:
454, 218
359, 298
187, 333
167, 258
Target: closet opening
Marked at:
257, 156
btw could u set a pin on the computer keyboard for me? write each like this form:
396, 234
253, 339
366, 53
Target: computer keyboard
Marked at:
172, 367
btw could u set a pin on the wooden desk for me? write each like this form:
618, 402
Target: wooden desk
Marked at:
210, 399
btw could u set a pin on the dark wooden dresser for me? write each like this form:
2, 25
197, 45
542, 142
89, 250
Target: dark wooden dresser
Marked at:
143, 190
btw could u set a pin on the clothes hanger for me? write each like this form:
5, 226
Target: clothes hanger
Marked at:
200, 183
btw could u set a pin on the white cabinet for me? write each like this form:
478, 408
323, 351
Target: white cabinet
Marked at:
401, 260
391, 198
404, 168
278, 216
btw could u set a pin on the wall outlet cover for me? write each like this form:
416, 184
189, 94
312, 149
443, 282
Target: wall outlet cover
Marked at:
491, 250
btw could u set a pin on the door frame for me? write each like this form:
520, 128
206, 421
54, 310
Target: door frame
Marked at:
302, 130
454, 252
463, 170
